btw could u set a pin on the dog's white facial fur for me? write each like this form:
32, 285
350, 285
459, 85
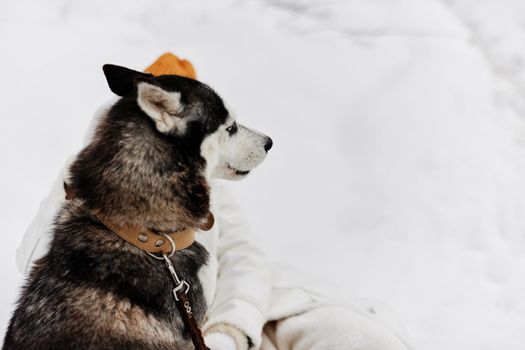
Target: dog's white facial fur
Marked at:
164, 107
231, 152
232, 155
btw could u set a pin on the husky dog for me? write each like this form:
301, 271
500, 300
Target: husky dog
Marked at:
148, 164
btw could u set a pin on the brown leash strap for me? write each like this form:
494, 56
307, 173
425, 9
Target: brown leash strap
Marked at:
180, 293
184, 306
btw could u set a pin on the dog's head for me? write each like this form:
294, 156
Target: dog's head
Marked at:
181, 106
156, 149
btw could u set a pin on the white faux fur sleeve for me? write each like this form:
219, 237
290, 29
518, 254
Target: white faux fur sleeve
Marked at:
244, 279
35, 242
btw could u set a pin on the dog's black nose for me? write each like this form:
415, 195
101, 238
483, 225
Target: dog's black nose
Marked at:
268, 144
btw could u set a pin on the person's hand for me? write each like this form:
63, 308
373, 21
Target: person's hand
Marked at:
220, 341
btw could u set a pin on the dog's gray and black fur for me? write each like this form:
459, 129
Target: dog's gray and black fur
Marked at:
93, 290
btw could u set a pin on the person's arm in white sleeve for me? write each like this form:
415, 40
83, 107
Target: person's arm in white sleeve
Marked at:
37, 237
35, 242
244, 279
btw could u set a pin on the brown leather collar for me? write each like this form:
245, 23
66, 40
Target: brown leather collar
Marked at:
147, 239
150, 241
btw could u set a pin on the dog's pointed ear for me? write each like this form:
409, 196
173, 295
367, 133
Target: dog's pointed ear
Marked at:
121, 80
164, 107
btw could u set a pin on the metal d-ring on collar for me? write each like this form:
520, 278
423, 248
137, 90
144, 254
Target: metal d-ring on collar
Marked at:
173, 248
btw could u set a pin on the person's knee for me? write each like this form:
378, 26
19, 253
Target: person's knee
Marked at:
335, 328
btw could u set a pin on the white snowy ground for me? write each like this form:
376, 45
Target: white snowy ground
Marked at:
398, 127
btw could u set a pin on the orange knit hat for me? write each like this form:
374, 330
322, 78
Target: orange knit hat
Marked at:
168, 64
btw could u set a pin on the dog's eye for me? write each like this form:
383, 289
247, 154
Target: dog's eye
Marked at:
232, 129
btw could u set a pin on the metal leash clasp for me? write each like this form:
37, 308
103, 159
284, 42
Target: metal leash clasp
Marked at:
179, 284
183, 305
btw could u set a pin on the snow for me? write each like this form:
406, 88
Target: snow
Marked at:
399, 143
